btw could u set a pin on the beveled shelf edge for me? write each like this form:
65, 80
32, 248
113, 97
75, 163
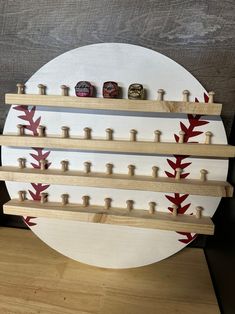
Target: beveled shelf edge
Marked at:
120, 146
137, 218
117, 181
114, 104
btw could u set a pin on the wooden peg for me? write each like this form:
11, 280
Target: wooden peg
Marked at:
208, 137
21, 129
178, 173
131, 170
152, 206
181, 138
199, 212
109, 168
107, 203
211, 97
161, 93
64, 90
87, 167
41, 131
203, 174
157, 134
22, 196
109, 134
86, 200
65, 199
44, 197
64, 165
20, 88
65, 131
133, 135
155, 171
87, 133
22, 163
130, 205
41, 89
186, 95
43, 163
175, 210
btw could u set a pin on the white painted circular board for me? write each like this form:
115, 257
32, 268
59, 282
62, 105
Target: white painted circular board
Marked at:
115, 246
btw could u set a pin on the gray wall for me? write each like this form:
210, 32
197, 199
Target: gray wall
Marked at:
197, 34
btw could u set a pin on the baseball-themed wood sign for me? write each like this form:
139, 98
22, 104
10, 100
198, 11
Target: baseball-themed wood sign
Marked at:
115, 155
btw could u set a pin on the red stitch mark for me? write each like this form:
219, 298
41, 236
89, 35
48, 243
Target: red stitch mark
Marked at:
190, 132
32, 125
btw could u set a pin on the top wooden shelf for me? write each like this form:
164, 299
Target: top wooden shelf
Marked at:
91, 103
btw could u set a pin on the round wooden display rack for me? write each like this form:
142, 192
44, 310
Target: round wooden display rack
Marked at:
115, 183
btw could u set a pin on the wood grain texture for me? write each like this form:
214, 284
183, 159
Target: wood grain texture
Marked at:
40, 279
117, 181
138, 218
115, 104
198, 35
119, 146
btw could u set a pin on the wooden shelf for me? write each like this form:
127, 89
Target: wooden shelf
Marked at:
138, 218
117, 181
54, 283
114, 104
120, 146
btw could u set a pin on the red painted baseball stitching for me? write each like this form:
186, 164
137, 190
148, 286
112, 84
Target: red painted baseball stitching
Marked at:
28, 115
178, 162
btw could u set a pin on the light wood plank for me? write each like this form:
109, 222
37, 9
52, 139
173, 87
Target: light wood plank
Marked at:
117, 181
138, 218
114, 104
120, 146
52, 283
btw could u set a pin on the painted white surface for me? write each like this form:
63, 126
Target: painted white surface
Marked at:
106, 245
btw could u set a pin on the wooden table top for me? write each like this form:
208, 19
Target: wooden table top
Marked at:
36, 279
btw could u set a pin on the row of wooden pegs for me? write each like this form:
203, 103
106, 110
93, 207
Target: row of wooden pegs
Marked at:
107, 203
109, 134
65, 92
109, 168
